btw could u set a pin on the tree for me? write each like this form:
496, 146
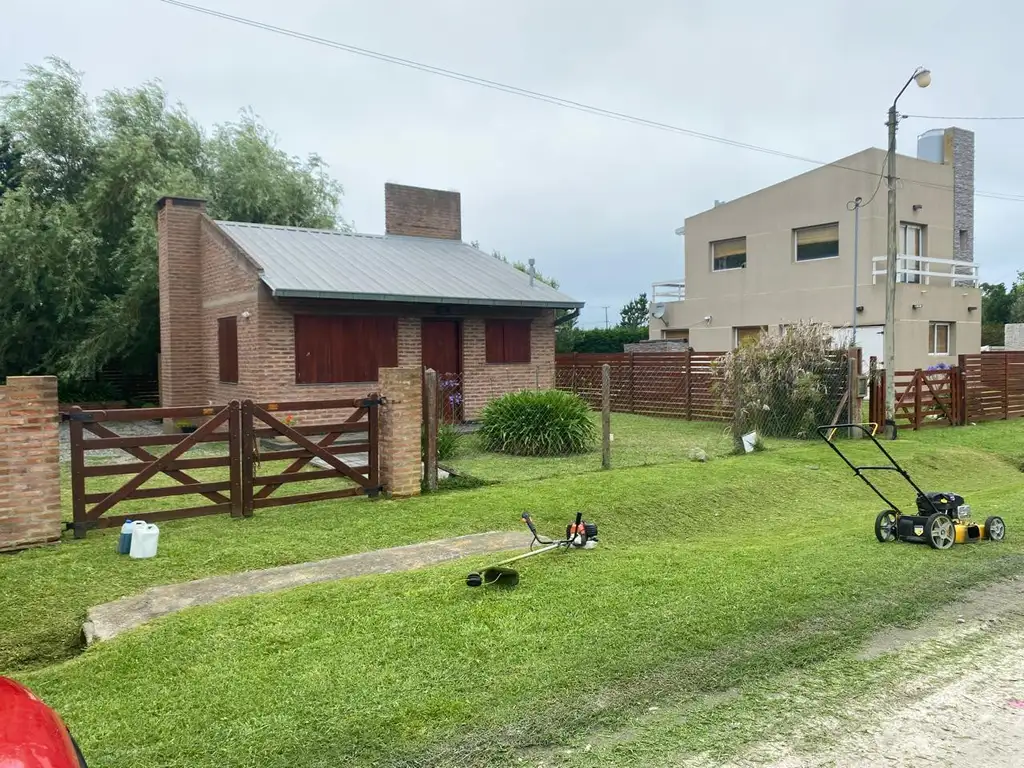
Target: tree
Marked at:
1017, 295
996, 303
634, 314
10, 162
78, 246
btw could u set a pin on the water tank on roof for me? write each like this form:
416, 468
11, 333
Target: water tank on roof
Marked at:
931, 145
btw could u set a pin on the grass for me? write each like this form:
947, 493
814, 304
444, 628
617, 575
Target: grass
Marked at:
638, 441
709, 576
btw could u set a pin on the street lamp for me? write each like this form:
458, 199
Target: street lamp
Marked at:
923, 78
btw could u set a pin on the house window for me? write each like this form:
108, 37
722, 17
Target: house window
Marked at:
963, 241
911, 250
335, 349
729, 254
747, 336
813, 243
227, 349
507, 341
939, 338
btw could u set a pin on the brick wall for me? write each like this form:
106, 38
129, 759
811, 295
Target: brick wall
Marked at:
399, 434
29, 462
230, 288
182, 380
483, 381
419, 212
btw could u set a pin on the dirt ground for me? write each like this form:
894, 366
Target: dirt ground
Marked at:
967, 709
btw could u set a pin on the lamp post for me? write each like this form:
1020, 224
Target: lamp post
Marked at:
923, 78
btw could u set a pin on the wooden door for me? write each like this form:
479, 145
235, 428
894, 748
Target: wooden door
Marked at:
441, 342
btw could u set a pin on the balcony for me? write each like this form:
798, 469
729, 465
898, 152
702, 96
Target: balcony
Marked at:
924, 270
672, 290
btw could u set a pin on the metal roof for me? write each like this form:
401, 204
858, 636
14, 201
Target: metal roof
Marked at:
325, 264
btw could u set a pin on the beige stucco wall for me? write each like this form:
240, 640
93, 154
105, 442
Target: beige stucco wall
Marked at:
775, 289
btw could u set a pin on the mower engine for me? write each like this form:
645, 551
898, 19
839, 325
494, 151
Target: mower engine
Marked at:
582, 535
950, 504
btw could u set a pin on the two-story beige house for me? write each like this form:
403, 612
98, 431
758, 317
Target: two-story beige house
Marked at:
786, 253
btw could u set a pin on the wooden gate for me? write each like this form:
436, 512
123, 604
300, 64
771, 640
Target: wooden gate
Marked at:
923, 398
231, 443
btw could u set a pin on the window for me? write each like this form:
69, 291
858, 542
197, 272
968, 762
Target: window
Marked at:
813, 243
939, 338
963, 242
334, 349
227, 349
911, 247
507, 341
746, 336
729, 254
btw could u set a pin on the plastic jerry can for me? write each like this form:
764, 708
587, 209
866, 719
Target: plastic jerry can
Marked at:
124, 540
144, 540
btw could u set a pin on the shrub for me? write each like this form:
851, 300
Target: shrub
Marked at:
782, 385
448, 441
529, 423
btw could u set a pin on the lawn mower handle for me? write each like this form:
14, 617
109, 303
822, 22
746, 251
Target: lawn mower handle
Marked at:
529, 524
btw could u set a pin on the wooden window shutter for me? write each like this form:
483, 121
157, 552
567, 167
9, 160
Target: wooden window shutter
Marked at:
227, 349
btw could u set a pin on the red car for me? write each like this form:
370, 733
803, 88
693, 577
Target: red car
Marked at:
31, 734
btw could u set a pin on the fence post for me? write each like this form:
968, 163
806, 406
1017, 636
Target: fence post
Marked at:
235, 456
1006, 385
430, 424
606, 416
961, 367
574, 374
918, 375
247, 447
689, 384
631, 382
852, 378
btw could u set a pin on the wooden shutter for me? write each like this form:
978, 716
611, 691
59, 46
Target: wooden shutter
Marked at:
517, 341
828, 233
227, 349
494, 341
337, 349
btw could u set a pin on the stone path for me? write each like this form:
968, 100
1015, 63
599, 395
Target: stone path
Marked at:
111, 619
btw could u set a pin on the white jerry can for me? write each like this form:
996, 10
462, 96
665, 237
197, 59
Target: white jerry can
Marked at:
144, 540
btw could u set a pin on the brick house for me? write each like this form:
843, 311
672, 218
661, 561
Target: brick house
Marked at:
283, 313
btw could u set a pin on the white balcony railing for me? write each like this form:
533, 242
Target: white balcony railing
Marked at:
924, 270
672, 290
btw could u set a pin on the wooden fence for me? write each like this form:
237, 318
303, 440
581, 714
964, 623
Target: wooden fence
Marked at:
234, 439
984, 387
676, 384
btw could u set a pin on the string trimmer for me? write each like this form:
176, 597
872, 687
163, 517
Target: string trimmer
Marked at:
578, 535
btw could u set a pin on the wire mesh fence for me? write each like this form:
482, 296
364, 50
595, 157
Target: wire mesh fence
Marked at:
781, 393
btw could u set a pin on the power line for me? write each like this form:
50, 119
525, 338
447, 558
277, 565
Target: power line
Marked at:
966, 117
547, 98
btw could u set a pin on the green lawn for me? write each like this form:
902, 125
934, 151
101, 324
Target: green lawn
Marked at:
708, 576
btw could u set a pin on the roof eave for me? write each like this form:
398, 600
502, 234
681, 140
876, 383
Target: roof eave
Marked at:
289, 293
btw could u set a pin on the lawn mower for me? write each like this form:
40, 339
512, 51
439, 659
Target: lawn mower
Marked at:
578, 535
942, 518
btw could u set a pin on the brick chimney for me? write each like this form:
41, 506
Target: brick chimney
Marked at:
419, 212
179, 249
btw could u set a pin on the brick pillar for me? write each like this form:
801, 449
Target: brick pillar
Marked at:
179, 245
29, 462
399, 433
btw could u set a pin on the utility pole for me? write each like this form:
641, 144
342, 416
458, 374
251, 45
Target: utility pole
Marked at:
890, 278
606, 317
923, 78
856, 203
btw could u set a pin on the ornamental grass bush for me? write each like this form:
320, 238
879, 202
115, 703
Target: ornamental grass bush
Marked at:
782, 385
531, 423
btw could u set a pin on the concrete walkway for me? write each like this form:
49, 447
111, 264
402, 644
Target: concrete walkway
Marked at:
111, 619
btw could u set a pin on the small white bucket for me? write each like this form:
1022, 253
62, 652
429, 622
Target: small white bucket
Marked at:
749, 441
144, 541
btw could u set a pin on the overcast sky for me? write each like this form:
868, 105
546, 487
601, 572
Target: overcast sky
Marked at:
594, 201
